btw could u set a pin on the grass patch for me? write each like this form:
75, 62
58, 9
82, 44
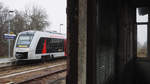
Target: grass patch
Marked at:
3, 56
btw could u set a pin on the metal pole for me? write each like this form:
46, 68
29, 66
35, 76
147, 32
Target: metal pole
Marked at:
9, 43
9, 40
60, 27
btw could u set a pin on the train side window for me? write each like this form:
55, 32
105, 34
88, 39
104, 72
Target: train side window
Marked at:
40, 46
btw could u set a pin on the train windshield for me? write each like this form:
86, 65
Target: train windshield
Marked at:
24, 40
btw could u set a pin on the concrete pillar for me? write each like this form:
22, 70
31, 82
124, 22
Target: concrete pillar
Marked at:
72, 41
82, 39
148, 36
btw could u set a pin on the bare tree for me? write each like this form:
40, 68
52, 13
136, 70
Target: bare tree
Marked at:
36, 18
3, 29
18, 23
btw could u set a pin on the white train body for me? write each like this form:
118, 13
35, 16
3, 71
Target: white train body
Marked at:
32, 45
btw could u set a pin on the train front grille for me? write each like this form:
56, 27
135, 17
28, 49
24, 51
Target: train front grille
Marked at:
21, 55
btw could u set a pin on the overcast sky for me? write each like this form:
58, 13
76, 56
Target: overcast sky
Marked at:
56, 10
142, 33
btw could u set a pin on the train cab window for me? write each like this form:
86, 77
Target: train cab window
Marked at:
24, 40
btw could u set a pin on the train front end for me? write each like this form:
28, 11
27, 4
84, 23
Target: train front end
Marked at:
23, 49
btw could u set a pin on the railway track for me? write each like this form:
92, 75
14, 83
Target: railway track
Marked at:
6, 64
21, 77
40, 77
19, 68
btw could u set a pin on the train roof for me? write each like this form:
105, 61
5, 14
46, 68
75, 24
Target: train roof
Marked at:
48, 32
27, 32
34, 31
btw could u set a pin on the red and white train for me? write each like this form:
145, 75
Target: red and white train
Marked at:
32, 45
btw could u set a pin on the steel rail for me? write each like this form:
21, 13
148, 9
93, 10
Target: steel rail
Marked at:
20, 73
42, 76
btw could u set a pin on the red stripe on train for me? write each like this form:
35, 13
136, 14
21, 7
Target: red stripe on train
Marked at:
44, 47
